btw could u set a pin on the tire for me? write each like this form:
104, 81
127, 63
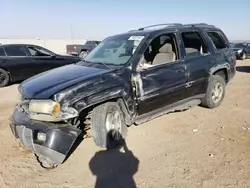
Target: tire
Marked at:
243, 57
83, 54
108, 137
210, 100
4, 78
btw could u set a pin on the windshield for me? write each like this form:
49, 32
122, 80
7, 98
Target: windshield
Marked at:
238, 45
115, 50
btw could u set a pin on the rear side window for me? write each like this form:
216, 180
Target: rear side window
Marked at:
15, 51
218, 41
194, 44
2, 52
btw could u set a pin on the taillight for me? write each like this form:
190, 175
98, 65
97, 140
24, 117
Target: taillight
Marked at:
234, 60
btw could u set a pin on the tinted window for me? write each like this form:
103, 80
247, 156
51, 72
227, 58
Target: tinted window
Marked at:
15, 51
2, 52
36, 51
238, 45
90, 42
193, 43
217, 40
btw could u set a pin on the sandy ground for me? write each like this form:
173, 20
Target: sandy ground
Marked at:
196, 148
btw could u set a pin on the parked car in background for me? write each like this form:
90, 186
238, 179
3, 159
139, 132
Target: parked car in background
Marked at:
21, 61
242, 50
82, 50
127, 79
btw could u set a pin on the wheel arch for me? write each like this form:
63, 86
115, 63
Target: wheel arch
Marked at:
84, 50
222, 70
118, 99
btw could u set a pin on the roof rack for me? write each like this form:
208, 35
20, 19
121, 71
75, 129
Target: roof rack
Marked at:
164, 25
133, 30
197, 25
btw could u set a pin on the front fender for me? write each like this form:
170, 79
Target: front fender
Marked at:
118, 94
108, 87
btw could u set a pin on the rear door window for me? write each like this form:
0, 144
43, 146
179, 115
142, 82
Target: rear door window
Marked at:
15, 51
2, 52
218, 41
194, 43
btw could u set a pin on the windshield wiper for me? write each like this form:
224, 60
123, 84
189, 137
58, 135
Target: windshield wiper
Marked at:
102, 64
96, 63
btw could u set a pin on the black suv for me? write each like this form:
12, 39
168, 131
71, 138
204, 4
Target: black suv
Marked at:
127, 79
21, 61
242, 50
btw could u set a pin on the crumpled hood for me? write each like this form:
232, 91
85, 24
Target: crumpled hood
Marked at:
46, 84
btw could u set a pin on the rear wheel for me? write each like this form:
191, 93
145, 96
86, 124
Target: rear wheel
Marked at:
4, 78
84, 53
215, 92
108, 126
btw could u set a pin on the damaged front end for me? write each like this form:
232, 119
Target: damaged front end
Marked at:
40, 127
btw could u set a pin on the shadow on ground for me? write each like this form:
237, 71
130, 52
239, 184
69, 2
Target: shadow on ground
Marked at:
245, 69
114, 168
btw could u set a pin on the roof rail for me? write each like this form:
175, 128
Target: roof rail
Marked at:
164, 25
198, 24
133, 30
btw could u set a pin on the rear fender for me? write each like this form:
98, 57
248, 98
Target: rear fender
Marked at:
217, 67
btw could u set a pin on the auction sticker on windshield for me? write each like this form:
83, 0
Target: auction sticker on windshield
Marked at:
139, 38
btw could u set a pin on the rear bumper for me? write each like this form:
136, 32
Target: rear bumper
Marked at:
59, 138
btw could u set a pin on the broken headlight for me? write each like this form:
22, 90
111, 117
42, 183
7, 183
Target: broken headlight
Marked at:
48, 110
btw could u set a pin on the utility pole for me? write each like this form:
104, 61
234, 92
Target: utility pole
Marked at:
71, 33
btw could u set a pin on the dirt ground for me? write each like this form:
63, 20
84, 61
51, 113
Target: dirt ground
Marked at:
196, 148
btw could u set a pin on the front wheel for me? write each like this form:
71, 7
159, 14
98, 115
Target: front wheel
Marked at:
108, 125
215, 92
243, 57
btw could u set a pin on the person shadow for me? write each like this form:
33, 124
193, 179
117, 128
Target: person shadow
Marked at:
114, 168
245, 69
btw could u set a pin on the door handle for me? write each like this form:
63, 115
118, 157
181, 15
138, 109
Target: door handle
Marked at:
179, 70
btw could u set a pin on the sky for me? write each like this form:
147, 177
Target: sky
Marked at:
98, 19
